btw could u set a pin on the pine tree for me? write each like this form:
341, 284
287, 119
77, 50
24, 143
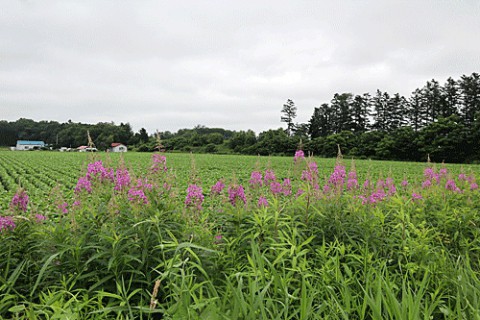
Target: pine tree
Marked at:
416, 110
341, 104
433, 99
289, 113
470, 97
360, 112
380, 116
450, 99
396, 109
320, 124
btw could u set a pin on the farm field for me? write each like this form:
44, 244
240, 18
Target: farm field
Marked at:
179, 236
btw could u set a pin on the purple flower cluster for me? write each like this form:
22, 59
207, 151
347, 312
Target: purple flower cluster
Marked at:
452, 186
83, 184
311, 173
337, 178
63, 207
269, 176
194, 196
20, 201
217, 187
236, 193
122, 179
159, 163
144, 184
352, 182
40, 218
286, 187
275, 187
262, 202
6, 223
416, 196
256, 179
96, 170
137, 195
299, 155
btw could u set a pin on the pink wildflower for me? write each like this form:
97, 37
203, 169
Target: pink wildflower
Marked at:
299, 155
286, 187
122, 179
63, 207
428, 173
6, 223
256, 179
20, 201
474, 186
337, 178
236, 194
306, 175
416, 196
262, 202
83, 184
275, 187
159, 163
313, 167
443, 172
426, 184
40, 217
217, 187
352, 183
269, 176
137, 195
194, 196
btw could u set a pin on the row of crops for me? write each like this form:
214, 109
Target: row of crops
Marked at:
180, 236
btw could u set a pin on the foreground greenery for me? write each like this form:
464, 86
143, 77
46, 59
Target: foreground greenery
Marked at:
323, 253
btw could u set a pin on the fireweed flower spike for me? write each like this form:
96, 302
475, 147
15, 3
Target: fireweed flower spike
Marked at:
275, 187
236, 194
83, 184
159, 163
269, 176
256, 179
416, 196
40, 218
122, 179
20, 201
217, 187
299, 155
6, 223
194, 196
262, 202
287, 187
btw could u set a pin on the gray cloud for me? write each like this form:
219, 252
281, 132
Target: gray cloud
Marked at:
166, 65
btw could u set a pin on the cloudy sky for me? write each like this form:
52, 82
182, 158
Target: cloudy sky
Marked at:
169, 65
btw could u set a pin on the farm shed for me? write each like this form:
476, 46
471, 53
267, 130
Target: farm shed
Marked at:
118, 147
86, 149
29, 145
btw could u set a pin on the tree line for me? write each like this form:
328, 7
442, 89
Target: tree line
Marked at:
442, 121
69, 134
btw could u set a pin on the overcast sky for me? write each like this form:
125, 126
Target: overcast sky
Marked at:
169, 65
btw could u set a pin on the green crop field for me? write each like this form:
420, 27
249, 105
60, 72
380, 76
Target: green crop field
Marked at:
180, 236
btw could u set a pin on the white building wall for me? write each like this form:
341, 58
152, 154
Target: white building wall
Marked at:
120, 148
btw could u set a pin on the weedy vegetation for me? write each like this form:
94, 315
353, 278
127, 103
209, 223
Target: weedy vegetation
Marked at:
172, 236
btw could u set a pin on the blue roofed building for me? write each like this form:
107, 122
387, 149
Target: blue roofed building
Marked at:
29, 145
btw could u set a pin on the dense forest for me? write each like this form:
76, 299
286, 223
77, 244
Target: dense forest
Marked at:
440, 120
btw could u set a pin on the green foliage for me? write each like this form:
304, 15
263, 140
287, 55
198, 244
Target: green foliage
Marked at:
319, 255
